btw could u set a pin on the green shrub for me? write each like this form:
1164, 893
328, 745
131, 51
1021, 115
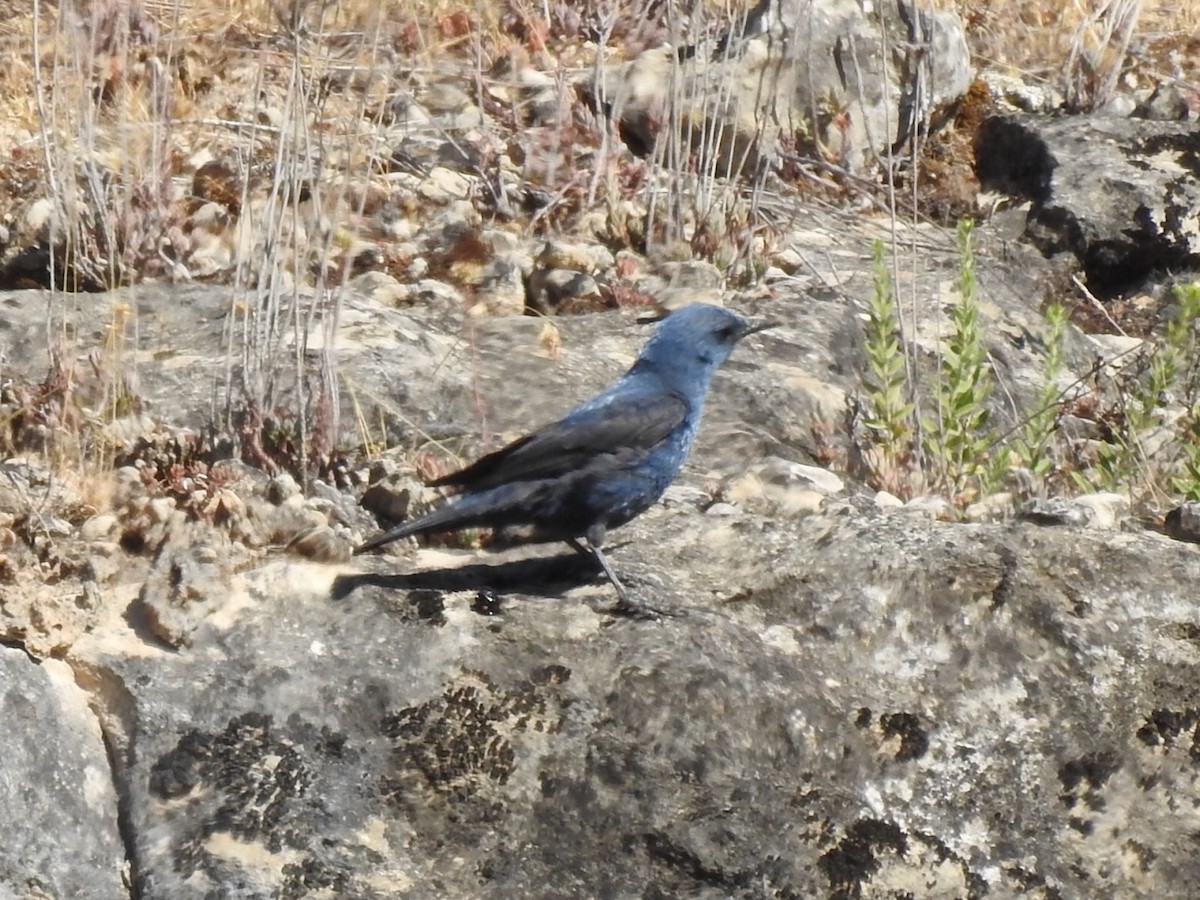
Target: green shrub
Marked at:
886, 383
957, 437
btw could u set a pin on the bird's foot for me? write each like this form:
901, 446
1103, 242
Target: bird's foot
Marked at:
628, 608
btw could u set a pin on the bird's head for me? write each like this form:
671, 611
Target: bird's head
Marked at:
693, 341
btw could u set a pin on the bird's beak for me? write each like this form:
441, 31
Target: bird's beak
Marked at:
753, 326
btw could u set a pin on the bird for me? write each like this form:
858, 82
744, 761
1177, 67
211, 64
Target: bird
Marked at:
604, 462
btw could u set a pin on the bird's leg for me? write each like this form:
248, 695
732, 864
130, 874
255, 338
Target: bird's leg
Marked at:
625, 605
593, 550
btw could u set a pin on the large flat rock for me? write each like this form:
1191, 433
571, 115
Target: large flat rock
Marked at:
853, 705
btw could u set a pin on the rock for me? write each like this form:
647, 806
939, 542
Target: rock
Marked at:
376, 724
993, 508
444, 185
281, 488
190, 582
788, 59
29, 485
1107, 508
722, 509
38, 216
106, 562
1183, 522
1169, 102
381, 287
322, 545
782, 488
387, 501
1018, 94
786, 472
686, 495
845, 683
336, 505
1118, 350
161, 510
564, 291
437, 294
931, 507
445, 97
693, 275
589, 258
536, 95
561, 279
62, 837
1118, 106
501, 290
98, 527
1057, 511
1120, 195
884, 500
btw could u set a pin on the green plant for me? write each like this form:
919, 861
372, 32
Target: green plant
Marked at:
1187, 475
1145, 441
957, 438
886, 383
1033, 446
1183, 358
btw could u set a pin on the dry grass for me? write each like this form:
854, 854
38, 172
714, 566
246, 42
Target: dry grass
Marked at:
124, 119
1065, 44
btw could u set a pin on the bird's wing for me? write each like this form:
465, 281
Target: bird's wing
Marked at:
622, 424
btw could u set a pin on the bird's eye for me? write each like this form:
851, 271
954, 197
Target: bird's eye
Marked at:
726, 332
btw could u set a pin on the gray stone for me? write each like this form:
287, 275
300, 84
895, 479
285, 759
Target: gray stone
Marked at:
1121, 195
554, 291
190, 581
1183, 522
1057, 511
281, 488
847, 706
1108, 509
854, 82
60, 808
387, 500
322, 544
501, 290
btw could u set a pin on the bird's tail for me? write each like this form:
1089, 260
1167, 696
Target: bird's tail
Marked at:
490, 508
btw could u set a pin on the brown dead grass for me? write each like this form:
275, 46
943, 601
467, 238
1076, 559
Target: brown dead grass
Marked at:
1035, 38
110, 105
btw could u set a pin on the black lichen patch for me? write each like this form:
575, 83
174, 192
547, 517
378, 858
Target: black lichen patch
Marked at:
461, 740
1144, 855
1032, 883
249, 781
856, 857
914, 742
429, 605
551, 674
313, 876
664, 850
234, 763
1083, 777
1164, 726
1091, 770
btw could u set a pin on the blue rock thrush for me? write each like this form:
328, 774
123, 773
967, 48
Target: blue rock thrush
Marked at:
607, 460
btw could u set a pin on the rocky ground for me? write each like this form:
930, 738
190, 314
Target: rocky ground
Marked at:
861, 695
854, 701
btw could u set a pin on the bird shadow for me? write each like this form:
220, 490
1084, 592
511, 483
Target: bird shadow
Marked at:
550, 576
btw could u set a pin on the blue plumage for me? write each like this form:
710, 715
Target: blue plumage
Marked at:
608, 459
